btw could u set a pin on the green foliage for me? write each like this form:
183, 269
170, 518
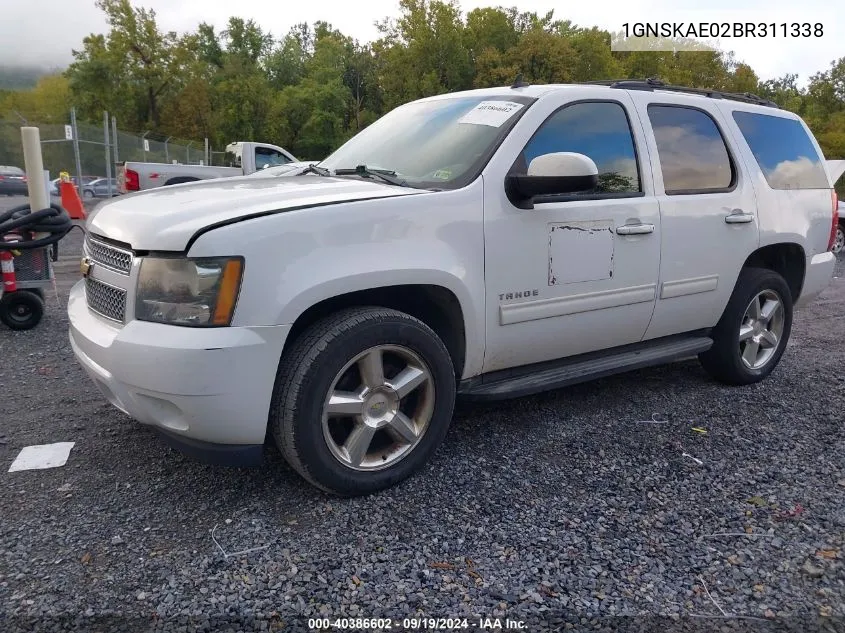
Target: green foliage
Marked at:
314, 87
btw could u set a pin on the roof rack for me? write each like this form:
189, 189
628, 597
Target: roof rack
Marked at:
653, 83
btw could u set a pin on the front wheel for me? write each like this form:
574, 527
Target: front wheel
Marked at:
751, 336
362, 400
88, 195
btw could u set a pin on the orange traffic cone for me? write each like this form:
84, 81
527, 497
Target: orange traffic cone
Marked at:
71, 201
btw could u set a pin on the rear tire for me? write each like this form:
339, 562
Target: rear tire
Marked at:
362, 399
21, 310
752, 334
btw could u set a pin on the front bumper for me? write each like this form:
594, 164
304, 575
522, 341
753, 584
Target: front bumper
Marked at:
199, 386
817, 277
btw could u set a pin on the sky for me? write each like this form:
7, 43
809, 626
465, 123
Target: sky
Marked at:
43, 32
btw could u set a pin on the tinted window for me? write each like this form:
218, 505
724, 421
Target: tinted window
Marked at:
693, 155
598, 130
268, 157
783, 150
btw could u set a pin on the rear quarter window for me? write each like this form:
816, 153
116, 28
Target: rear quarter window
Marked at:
783, 150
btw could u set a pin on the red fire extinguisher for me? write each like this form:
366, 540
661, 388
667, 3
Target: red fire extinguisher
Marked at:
7, 265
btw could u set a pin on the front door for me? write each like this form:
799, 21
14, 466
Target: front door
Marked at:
577, 273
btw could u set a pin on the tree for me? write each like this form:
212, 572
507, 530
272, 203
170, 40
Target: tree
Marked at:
315, 87
132, 69
544, 57
489, 28
430, 34
286, 64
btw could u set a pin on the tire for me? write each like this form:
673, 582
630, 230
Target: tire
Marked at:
21, 310
323, 360
728, 359
839, 242
36, 291
88, 194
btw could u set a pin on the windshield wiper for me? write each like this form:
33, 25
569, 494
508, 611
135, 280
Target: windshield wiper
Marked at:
386, 175
313, 168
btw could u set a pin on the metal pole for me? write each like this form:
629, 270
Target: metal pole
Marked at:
114, 138
76, 150
207, 162
166, 153
108, 151
188, 150
143, 145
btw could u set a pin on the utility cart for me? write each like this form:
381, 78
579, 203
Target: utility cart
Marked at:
26, 273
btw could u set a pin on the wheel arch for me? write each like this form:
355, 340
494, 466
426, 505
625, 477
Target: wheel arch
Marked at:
435, 305
788, 259
178, 180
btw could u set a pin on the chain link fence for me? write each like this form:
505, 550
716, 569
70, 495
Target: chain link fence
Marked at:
89, 151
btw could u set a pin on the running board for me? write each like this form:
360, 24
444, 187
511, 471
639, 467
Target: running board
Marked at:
531, 379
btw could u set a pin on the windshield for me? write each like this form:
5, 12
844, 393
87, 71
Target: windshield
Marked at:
443, 143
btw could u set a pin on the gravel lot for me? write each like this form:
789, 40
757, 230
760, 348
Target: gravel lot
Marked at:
560, 511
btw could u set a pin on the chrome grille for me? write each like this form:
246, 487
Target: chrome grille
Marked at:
105, 300
101, 253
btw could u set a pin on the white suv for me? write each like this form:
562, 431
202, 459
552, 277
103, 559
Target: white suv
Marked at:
485, 244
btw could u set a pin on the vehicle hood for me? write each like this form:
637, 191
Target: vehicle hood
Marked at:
166, 218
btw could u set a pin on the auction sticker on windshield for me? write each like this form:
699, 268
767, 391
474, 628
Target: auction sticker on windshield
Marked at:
492, 113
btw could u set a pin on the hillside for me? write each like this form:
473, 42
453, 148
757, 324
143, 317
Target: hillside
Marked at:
21, 77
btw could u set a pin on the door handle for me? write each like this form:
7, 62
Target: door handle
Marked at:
634, 229
738, 216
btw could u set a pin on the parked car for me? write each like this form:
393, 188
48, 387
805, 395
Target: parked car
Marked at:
244, 158
12, 181
54, 184
535, 237
100, 188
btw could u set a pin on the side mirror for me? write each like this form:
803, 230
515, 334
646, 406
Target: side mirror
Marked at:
556, 173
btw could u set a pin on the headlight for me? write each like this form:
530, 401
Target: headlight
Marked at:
183, 291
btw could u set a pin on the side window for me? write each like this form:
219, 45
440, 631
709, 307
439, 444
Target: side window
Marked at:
783, 151
269, 157
599, 130
693, 154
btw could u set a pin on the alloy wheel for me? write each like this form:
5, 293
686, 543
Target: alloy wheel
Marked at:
761, 330
378, 407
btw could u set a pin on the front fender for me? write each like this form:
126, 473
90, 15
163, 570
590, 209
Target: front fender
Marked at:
294, 260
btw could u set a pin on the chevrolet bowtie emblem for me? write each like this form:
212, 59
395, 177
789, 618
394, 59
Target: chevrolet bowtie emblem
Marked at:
85, 266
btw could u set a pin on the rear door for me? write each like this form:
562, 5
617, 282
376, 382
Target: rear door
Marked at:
708, 210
